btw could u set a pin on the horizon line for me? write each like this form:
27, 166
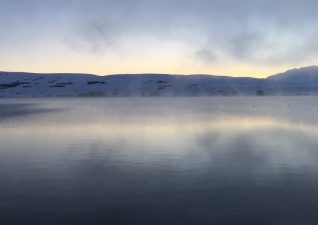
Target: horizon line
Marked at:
152, 73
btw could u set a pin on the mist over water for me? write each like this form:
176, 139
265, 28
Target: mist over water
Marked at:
220, 160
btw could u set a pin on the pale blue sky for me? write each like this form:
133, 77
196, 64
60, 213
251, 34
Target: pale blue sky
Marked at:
234, 37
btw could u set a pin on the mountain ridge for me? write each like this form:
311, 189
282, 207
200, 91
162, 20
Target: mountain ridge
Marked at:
298, 81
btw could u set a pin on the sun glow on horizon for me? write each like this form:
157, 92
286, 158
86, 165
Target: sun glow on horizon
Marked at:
114, 64
229, 38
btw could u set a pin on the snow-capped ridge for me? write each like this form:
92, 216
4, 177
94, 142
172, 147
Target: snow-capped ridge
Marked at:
301, 81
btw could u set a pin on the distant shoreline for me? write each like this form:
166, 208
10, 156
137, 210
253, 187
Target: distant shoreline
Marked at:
296, 82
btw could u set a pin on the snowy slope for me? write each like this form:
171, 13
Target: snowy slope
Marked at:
88, 85
301, 75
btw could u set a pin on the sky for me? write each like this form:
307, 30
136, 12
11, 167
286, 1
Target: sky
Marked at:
221, 37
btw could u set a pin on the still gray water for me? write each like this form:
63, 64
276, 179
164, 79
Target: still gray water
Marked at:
165, 161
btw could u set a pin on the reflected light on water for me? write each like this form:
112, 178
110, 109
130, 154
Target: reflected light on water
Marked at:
207, 159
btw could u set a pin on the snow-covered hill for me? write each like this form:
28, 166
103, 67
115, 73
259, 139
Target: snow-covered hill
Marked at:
301, 81
301, 75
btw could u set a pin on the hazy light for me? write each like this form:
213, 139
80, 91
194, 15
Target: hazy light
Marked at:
232, 37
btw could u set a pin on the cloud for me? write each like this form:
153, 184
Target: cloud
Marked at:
263, 32
93, 37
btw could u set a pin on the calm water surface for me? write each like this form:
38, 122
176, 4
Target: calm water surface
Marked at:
159, 161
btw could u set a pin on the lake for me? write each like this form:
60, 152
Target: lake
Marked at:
159, 161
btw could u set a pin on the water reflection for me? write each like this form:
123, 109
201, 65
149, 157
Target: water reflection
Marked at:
161, 161
13, 110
